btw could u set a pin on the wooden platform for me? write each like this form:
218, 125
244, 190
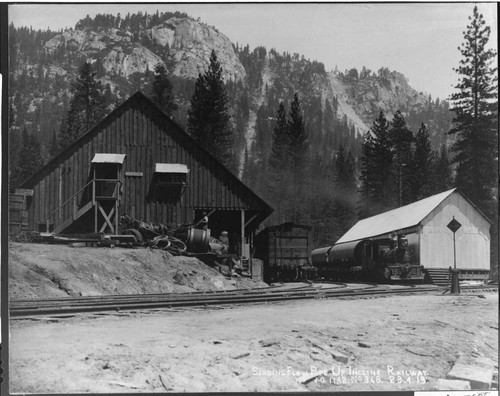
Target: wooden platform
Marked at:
441, 276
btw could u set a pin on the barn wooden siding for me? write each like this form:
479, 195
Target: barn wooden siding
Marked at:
147, 136
472, 239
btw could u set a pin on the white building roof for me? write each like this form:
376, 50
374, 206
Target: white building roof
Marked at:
108, 158
396, 219
171, 168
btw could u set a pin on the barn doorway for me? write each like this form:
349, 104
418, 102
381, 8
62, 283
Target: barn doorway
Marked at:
238, 224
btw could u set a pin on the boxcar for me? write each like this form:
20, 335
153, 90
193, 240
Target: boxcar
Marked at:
285, 250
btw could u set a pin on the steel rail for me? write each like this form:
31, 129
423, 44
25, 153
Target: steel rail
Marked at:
152, 296
255, 291
109, 303
167, 299
142, 302
115, 300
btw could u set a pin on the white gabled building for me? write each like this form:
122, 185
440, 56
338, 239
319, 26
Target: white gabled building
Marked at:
425, 224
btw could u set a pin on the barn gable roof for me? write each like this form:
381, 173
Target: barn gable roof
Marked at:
396, 219
139, 99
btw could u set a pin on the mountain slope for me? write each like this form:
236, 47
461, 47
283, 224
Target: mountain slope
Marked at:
125, 50
187, 42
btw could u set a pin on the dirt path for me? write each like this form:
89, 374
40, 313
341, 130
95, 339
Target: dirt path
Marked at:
257, 348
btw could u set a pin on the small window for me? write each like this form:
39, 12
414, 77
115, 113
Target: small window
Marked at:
170, 182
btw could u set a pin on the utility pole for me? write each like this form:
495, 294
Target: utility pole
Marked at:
454, 226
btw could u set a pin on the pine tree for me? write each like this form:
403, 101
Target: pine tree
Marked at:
250, 171
298, 158
401, 139
263, 137
15, 145
54, 145
377, 192
209, 121
29, 161
345, 191
329, 123
86, 107
442, 178
279, 181
298, 140
345, 169
279, 157
421, 165
161, 90
475, 124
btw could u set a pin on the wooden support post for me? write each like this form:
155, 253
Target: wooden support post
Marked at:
118, 195
60, 214
116, 217
250, 263
94, 202
242, 231
96, 215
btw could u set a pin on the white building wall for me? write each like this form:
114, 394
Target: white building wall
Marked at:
414, 246
472, 239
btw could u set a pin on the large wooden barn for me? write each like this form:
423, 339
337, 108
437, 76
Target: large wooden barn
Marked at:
425, 224
138, 162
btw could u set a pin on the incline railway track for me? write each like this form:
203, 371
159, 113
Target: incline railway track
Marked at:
72, 305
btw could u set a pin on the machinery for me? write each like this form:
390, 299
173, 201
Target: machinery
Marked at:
387, 259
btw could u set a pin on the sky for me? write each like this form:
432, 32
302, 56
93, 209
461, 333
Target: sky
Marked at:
420, 40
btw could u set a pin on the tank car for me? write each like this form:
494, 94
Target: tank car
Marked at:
387, 259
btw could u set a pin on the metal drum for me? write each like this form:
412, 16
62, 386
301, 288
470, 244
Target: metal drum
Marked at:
197, 241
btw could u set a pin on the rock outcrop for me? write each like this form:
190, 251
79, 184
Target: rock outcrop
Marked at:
189, 44
125, 62
362, 99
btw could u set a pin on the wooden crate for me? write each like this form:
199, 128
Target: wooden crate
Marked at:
15, 228
18, 216
17, 205
24, 192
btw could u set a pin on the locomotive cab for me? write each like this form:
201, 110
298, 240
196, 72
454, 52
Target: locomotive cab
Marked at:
399, 261
402, 242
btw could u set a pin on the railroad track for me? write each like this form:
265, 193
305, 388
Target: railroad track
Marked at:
70, 305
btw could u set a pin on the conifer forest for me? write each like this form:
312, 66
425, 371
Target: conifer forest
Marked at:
278, 129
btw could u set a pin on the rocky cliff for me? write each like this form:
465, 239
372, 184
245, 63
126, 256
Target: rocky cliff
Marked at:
186, 42
43, 66
191, 43
361, 99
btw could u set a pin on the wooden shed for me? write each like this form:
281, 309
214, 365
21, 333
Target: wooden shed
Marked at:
138, 162
425, 224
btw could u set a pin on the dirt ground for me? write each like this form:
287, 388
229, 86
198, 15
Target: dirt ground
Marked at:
45, 270
392, 343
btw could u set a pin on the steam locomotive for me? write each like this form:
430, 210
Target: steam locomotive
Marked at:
380, 260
